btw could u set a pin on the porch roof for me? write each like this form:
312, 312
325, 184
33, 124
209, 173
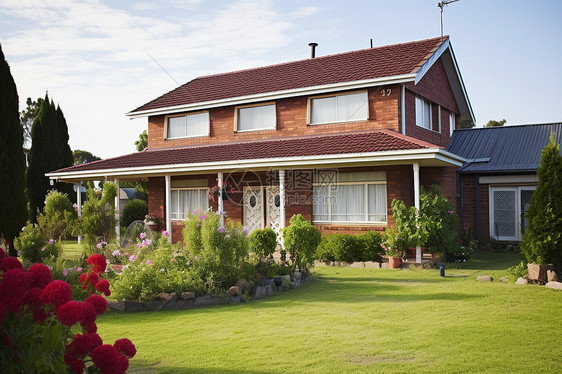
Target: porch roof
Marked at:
343, 149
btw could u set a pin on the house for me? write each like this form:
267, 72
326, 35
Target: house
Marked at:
334, 138
499, 176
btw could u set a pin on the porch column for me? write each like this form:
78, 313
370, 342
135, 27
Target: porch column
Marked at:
282, 203
417, 204
79, 203
117, 209
167, 180
221, 202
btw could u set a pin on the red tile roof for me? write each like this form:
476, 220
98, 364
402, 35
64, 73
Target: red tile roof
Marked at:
313, 145
387, 61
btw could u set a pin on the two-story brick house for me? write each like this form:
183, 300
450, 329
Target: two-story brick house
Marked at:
334, 138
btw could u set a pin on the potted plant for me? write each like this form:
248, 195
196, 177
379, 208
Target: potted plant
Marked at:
151, 221
393, 247
227, 189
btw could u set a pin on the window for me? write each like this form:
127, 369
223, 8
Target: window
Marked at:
184, 201
353, 198
253, 118
339, 108
507, 211
451, 123
188, 126
423, 113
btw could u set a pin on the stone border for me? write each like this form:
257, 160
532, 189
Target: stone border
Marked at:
188, 300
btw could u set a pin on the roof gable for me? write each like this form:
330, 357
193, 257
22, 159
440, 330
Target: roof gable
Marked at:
504, 149
388, 61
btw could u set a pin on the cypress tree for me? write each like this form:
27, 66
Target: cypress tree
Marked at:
13, 204
542, 242
49, 152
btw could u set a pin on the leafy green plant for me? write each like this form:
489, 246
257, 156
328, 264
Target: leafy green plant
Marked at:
59, 217
339, 247
542, 241
518, 271
34, 247
98, 216
262, 244
135, 209
442, 223
411, 227
370, 246
301, 239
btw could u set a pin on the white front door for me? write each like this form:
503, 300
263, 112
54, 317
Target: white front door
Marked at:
253, 208
273, 210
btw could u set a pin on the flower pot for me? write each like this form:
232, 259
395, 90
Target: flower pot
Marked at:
395, 262
153, 226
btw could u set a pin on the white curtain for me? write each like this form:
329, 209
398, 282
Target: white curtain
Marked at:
352, 107
323, 110
377, 202
186, 201
256, 118
197, 124
348, 204
176, 127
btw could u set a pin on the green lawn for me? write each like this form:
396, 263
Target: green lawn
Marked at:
72, 250
361, 320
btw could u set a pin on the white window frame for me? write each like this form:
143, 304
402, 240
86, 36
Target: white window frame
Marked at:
452, 123
366, 185
203, 134
174, 211
365, 105
237, 117
420, 101
517, 190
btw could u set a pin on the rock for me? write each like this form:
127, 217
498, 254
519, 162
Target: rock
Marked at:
504, 279
551, 276
234, 291
188, 296
154, 305
171, 298
357, 265
120, 306
204, 301
484, 278
521, 280
243, 285
184, 304
260, 292
162, 296
372, 265
554, 285
537, 273
297, 275
234, 299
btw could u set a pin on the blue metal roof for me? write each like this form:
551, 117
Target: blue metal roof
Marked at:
504, 149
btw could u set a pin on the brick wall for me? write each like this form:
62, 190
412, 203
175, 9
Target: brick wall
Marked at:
469, 217
291, 121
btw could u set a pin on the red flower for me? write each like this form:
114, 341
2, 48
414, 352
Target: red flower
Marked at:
39, 315
83, 277
41, 275
99, 303
12, 288
8, 263
103, 286
88, 313
84, 344
78, 366
2, 311
126, 347
2, 253
98, 262
57, 293
108, 359
93, 278
90, 328
33, 297
70, 313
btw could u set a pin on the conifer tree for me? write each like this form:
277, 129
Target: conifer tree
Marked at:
49, 152
13, 204
542, 242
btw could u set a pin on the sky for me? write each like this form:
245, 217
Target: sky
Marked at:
101, 59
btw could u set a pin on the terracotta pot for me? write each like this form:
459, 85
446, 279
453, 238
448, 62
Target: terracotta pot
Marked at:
153, 226
395, 262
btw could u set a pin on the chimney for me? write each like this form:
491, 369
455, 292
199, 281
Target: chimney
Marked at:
313, 49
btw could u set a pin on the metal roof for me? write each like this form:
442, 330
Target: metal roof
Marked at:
504, 149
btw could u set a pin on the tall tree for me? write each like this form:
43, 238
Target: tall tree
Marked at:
13, 203
492, 123
83, 157
27, 116
542, 241
49, 151
142, 142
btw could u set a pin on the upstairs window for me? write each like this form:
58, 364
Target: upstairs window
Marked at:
451, 123
423, 113
188, 126
252, 118
339, 108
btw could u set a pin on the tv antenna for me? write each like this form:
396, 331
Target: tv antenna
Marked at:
441, 5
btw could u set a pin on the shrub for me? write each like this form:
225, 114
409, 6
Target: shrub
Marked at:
518, 271
339, 247
98, 216
44, 331
370, 246
442, 223
542, 241
410, 227
59, 217
34, 247
262, 244
135, 209
301, 239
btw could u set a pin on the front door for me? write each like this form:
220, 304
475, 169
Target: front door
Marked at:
253, 208
273, 210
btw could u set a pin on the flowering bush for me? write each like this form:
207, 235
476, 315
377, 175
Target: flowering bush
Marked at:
59, 218
34, 247
39, 321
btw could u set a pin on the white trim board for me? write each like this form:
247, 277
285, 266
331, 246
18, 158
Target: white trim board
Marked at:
503, 179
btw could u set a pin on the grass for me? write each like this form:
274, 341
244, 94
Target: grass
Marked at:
360, 320
72, 250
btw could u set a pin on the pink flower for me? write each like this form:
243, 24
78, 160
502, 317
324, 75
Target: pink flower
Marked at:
165, 233
148, 262
51, 241
202, 218
132, 258
221, 229
65, 272
142, 235
147, 242
43, 249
